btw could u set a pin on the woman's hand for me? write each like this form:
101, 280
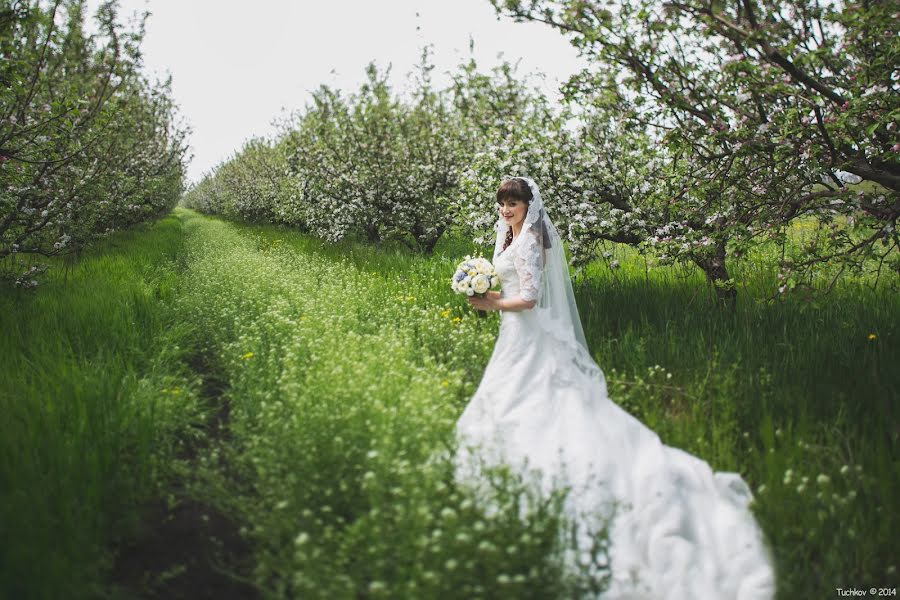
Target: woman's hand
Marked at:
487, 302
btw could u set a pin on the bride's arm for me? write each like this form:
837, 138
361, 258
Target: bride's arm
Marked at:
514, 304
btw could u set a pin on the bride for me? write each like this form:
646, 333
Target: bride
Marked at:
686, 532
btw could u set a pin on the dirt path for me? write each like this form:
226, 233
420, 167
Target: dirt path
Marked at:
189, 550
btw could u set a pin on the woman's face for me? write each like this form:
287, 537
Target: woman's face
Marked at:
512, 211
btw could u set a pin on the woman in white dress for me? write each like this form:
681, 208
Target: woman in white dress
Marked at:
681, 531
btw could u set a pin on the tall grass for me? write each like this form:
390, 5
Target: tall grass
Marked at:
92, 395
800, 396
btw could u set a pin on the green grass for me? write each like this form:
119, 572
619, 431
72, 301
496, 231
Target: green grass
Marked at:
92, 394
783, 392
347, 367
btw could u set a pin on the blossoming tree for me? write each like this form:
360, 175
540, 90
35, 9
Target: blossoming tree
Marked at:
766, 112
87, 145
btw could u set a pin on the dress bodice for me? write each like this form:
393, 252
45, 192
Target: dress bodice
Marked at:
506, 271
519, 267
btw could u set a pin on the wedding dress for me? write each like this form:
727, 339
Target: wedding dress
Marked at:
682, 531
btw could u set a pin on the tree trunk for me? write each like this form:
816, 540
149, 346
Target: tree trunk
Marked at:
372, 234
425, 242
717, 274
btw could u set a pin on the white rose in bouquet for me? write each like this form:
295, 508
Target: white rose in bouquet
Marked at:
481, 284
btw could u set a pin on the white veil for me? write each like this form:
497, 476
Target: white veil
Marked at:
555, 312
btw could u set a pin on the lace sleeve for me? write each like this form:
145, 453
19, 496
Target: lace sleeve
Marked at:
528, 266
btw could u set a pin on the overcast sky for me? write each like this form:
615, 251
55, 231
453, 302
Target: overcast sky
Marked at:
238, 66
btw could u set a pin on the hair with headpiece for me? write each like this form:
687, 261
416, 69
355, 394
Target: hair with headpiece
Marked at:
517, 188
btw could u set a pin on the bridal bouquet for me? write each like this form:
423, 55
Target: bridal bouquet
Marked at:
474, 276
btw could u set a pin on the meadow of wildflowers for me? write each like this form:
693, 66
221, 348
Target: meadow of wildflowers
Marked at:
344, 388
345, 367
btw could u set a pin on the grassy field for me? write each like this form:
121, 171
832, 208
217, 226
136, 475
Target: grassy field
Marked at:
344, 368
94, 397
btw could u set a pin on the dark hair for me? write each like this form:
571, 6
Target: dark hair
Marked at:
514, 189
518, 189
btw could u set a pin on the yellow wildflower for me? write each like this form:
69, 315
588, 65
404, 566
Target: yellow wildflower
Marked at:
445, 383
457, 320
445, 313
246, 356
